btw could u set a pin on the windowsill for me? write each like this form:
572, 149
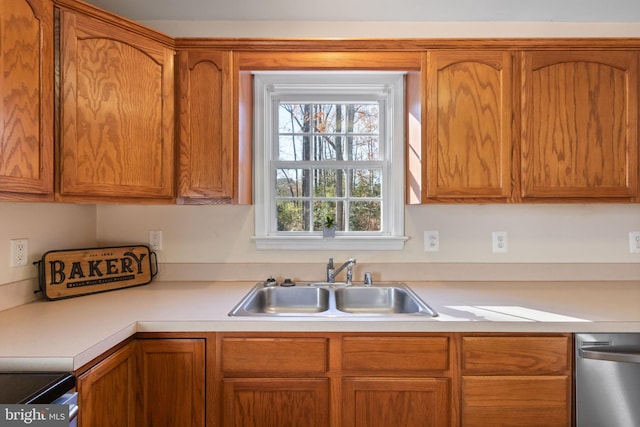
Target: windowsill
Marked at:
360, 243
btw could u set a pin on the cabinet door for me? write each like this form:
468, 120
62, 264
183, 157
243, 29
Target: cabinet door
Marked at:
384, 402
276, 402
116, 112
206, 156
468, 137
26, 100
171, 382
105, 391
579, 124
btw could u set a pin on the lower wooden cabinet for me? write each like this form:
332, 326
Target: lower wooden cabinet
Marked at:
105, 392
148, 382
522, 381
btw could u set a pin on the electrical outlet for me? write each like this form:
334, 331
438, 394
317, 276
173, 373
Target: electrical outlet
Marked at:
499, 242
431, 241
19, 252
634, 242
155, 240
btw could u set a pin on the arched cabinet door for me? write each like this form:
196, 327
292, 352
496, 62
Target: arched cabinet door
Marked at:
579, 133
117, 110
468, 126
26, 100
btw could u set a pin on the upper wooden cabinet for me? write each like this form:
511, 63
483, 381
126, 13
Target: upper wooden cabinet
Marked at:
579, 121
206, 155
26, 100
116, 109
467, 149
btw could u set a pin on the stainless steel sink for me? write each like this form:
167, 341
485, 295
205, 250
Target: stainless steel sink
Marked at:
322, 299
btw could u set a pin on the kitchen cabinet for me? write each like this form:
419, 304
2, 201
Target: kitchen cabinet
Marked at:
396, 380
170, 382
105, 391
468, 145
206, 156
516, 380
147, 382
116, 133
26, 100
579, 131
278, 380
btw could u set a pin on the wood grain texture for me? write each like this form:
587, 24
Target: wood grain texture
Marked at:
117, 112
579, 124
171, 382
105, 392
529, 401
26, 100
486, 355
468, 121
206, 145
406, 402
273, 402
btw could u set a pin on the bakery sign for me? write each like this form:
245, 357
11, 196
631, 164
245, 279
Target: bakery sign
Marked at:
69, 273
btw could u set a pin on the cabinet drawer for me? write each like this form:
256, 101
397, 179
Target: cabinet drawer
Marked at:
268, 356
515, 355
516, 400
395, 354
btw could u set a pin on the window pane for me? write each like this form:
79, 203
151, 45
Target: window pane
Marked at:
294, 118
366, 183
292, 215
364, 216
292, 182
328, 118
329, 182
322, 210
365, 118
365, 148
291, 147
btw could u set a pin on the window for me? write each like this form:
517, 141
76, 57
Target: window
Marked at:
329, 146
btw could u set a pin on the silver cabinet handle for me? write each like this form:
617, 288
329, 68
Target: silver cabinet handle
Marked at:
629, 354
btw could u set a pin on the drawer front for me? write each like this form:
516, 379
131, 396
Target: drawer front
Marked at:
274, 356
516, 401
395, 354
515, 355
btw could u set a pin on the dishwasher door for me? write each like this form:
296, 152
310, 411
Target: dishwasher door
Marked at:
607, 380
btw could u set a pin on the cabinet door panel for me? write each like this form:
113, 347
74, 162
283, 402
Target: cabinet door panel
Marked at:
117, 112
516, 401
105, 391
272, 402
171, 382
26, 100
579, 124
384, 402
468, 148
206, 157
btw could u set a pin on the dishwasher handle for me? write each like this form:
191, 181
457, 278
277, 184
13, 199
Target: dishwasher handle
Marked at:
628, 354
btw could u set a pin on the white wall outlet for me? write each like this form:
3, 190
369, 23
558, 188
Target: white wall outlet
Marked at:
499, 242
19, 252
431, 241
155, 240
634, 242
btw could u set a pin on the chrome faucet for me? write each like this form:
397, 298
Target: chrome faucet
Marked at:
332, 273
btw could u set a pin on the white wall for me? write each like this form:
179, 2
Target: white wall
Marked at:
593, 233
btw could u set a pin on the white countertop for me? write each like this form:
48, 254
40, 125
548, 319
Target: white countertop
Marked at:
63, 335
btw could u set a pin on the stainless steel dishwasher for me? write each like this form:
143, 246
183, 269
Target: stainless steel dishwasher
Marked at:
607, 380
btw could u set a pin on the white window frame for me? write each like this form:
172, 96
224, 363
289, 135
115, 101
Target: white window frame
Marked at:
269, 89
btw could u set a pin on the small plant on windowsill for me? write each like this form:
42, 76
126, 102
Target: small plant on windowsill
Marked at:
329, 227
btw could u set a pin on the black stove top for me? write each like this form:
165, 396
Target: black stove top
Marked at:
34, 387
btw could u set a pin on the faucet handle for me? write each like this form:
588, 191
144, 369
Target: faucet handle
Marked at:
367, 279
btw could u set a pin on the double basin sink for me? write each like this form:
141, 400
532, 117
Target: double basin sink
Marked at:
323, 299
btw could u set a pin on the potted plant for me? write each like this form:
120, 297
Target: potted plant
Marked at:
329, 227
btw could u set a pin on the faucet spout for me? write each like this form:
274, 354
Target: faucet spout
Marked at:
332, 273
